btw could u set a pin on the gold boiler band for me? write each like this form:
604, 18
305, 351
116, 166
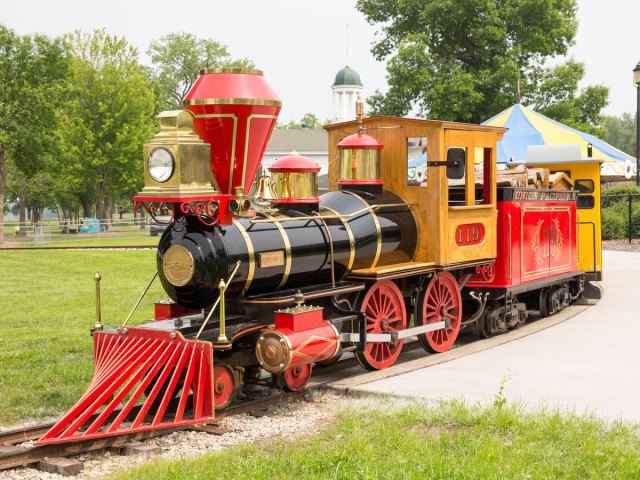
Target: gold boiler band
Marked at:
246, 71
352, 241
377, 223
232, 101
252, 255
287, 252
359, 164
295, 184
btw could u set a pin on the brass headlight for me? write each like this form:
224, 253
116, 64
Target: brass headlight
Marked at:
160, 164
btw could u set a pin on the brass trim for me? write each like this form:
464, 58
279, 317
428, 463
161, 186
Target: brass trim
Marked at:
271, 259
98, 324
215, 305
252, 255
330, 344
234, 137
337, 338
246, 142
377, 223
296, 185
247, 71
222, 337
178, 265
287, 251
352, 240
232, 101
358, 164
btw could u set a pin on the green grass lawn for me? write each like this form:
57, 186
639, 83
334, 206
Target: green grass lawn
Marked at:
47, 306
420, 442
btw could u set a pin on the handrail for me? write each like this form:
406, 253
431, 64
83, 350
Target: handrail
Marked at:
139, 300
331, 217
215, 305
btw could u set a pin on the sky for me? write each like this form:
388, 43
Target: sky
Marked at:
300, 44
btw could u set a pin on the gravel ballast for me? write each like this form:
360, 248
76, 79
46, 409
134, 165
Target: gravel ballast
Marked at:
287, 421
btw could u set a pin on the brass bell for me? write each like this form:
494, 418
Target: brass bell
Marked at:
265, 195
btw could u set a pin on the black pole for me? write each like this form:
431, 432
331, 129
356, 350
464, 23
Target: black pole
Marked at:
638, 137
630, 225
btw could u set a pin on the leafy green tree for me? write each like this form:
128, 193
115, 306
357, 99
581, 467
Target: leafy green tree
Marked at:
178, 59
107, 118
621, 132
467, 61
309, 121
557, 97
33, 69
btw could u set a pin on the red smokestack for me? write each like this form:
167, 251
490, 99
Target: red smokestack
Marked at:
235, 111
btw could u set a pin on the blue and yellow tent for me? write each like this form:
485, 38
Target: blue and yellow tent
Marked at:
527, 127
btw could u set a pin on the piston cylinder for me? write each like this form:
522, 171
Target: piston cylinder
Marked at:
281, 348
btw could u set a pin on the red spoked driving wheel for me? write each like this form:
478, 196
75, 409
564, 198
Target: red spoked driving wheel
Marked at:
224, 385
295, 378
385, 312
440, 301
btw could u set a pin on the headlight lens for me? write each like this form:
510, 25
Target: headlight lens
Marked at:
160, 164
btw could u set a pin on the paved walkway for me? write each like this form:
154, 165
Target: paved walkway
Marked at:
590, 362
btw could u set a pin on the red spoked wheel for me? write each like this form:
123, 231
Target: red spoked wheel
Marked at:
224, 385
295, 378
441, 301
385, 312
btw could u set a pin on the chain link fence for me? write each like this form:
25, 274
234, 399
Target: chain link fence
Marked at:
621, 217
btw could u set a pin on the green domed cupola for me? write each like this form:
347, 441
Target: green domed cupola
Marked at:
347, 76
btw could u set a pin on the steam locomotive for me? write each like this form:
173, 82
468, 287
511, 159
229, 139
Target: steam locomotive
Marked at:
267, 277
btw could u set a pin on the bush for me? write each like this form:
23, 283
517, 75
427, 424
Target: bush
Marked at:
614, 224
625, 189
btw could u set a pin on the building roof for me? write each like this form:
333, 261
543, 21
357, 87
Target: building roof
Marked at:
347, 76
286, 140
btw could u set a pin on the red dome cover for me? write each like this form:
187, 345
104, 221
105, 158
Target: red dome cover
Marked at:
359, 140
234, 111
294, 163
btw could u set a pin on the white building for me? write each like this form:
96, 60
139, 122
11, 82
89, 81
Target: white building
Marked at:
346, 89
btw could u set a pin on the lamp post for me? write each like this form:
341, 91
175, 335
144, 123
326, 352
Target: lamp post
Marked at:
636, 81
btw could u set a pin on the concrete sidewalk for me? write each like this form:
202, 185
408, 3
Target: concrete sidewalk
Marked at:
590, 363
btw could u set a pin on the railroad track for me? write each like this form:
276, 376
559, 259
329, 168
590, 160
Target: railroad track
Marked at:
12, 455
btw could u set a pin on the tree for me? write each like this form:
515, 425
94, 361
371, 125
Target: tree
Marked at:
557, 97
178, 59
33, 69
621, 132
107, 118
308, 121
466, 61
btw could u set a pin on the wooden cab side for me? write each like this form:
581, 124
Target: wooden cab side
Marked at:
456, 218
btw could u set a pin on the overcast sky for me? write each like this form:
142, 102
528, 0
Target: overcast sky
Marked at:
301, 44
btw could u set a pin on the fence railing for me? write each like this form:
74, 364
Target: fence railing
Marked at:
621, 217
89, 232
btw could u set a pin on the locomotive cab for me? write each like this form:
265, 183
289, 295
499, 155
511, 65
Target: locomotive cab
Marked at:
456, 224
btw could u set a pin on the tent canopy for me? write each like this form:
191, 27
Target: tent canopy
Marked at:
527, 127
